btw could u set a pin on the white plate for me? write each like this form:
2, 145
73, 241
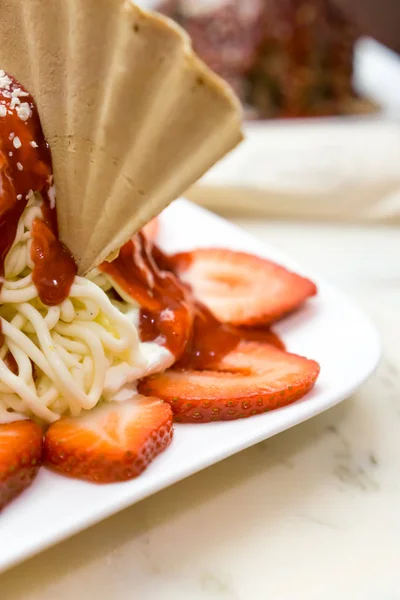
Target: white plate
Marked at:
330, 329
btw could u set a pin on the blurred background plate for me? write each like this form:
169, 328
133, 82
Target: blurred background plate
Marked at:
341, 169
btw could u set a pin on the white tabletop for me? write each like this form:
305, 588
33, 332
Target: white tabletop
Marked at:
312, 513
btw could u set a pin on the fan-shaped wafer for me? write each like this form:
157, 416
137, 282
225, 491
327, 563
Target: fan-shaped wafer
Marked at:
132, 116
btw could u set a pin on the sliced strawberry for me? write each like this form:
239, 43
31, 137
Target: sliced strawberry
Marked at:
114, 442
21, 445
251, 379
242, 289
151, 229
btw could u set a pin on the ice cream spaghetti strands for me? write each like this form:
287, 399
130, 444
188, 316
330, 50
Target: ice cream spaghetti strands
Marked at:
54, 359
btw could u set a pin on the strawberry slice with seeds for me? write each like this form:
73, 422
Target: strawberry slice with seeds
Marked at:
21, 446
242, 289
251, 379
115, 441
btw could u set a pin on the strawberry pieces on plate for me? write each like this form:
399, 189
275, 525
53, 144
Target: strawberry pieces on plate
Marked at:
242, 289
21, 446
253, 378
113, 442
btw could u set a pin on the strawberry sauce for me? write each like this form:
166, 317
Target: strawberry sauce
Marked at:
166, 313
54, 269
169, 313
25, 167
211, 341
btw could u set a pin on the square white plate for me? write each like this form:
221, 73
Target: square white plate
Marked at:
330, 329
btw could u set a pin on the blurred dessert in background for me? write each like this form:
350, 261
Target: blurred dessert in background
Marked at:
227, 34
283, 58
305, 64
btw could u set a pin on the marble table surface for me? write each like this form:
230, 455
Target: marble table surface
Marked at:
312, 513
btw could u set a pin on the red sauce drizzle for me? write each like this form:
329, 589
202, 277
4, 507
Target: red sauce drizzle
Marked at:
166, 313
260, 334
25, 166
54, 269
211, 341
169, 313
